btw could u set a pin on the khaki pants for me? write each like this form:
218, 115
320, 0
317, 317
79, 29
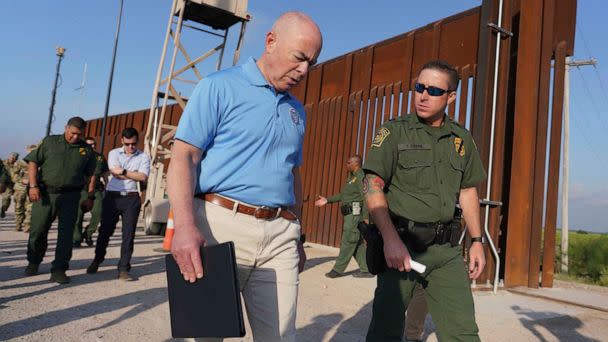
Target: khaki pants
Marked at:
267, 259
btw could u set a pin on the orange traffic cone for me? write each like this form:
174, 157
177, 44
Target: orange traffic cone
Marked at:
169, 232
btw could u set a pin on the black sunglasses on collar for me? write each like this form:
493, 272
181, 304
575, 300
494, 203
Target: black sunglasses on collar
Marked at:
433, 91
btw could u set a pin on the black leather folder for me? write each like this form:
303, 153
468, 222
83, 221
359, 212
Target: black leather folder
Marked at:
211, 306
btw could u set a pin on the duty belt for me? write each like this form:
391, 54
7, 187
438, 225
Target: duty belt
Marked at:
421, 235
346, 209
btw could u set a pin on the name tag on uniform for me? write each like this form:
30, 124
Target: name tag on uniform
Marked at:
414, 146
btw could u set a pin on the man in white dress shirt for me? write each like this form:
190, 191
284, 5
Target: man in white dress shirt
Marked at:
128, 165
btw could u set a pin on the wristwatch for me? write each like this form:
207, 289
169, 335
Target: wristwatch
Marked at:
302, 238
124, 172
479, 239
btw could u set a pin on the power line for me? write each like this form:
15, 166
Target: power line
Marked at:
586, 136
591, 99
597, 74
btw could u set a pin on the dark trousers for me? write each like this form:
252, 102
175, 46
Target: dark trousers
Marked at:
113, 208
65, 207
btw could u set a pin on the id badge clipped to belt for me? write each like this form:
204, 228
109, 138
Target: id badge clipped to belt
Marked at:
356, 208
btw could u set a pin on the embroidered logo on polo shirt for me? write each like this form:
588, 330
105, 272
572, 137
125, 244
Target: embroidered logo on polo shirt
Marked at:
295, 116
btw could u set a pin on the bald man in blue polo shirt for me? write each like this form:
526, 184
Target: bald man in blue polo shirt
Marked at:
234, 174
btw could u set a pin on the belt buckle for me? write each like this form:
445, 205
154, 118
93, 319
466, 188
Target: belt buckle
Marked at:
123, 193
257, 211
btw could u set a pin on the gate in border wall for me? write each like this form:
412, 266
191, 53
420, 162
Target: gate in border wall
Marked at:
349, 97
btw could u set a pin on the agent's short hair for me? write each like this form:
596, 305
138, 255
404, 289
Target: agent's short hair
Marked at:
129, 133
446, 68
77, 122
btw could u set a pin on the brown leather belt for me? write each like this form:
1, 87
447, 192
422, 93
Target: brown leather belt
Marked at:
123, 193
264, 213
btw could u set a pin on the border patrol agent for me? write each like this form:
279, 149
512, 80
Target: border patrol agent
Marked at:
100, 173
425, 162
354, 210
66, 164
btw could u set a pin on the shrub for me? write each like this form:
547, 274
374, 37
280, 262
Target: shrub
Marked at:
589, 257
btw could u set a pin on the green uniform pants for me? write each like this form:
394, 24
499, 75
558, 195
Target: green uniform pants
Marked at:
65, 207
447, 292
6, 198
90, 229
23, 210
351, 245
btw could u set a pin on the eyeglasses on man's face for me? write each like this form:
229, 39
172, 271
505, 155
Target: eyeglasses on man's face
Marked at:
432, 91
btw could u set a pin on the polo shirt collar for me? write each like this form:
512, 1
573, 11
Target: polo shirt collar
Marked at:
255, 77
253, 73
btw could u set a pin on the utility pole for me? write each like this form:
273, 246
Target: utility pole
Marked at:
109, 92
60, 53
566, 164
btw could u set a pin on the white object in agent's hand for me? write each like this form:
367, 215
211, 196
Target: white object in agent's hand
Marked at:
418, 267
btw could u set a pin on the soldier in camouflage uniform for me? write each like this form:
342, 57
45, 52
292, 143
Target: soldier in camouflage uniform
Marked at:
9, 165
23, 206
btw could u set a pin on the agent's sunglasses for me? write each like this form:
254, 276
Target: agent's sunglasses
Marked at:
433, 91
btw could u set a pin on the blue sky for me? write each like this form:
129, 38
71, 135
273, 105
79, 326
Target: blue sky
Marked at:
30, 31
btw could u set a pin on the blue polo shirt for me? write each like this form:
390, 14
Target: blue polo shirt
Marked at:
250, 135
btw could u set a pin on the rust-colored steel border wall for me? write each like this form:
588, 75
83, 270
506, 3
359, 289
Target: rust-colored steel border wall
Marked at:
347, 98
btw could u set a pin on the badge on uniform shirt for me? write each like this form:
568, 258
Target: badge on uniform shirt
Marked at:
295, 116
352, 181
459, 146
83, 151
380, 136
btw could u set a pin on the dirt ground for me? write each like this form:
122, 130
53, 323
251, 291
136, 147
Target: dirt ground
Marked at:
101, 308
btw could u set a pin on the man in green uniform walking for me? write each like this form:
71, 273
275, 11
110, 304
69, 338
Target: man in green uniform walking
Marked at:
100, 173
418, 166
10, 166
354, 210
66, 164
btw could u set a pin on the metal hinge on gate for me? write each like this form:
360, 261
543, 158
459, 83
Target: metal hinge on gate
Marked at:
502, 31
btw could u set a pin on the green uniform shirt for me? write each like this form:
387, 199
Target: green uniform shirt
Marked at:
424, 167
62, 164
352, 191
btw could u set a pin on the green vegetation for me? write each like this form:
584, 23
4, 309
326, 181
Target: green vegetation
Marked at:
588, 257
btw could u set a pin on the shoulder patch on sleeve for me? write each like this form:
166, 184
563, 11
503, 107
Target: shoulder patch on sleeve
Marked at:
380, 136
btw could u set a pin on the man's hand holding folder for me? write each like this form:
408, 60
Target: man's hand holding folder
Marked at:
185, 248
